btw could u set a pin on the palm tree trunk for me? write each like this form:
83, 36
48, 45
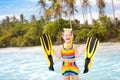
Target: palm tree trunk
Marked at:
82, 11
70, 22
113, 9
90, 13
85, 12
45, 16
58, 23
113, 12
45, 19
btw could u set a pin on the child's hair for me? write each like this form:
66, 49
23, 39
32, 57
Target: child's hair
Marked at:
61, 38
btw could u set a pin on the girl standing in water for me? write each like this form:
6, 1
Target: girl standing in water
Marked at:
68, 53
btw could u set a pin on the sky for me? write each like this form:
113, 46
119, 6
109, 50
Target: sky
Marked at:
30, 7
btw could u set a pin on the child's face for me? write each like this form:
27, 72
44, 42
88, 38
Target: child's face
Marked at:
67, 36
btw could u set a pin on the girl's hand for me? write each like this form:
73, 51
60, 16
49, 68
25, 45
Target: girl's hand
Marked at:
80, 53
57, 53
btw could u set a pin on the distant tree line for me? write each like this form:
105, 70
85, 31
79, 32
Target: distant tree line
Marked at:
16, 32
19, 33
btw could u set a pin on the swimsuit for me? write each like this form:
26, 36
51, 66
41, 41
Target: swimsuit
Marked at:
69, 68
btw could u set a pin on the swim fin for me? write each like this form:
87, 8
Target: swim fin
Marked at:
90, 51
47, 48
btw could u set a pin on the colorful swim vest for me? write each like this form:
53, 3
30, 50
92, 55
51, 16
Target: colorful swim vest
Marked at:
69, 68
68, 53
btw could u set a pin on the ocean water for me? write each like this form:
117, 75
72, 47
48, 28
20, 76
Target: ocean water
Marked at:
30, 64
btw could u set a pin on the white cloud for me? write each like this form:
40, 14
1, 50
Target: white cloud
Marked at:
95, 15
2, 17
117, 14
80, 17
26, 11
78, 1
29, 11
32, 9
9, 15
116, 2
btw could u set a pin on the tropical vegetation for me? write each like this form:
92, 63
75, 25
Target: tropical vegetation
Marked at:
21, 32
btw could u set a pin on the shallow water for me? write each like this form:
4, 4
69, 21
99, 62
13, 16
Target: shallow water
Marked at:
30, 64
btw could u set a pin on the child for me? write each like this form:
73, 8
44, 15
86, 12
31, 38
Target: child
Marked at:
67, 53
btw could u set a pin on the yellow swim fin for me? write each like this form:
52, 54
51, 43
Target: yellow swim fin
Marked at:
47, 48
90, 51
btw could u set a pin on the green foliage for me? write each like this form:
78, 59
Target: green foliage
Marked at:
18, 34
118, 38
54, 30
81, 35
4, 41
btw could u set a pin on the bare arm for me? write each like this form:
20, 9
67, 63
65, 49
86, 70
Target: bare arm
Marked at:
76, 52
57, 53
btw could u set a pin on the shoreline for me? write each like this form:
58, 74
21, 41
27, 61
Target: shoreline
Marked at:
38, 47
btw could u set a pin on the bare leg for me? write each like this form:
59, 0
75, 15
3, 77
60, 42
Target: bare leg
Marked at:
66, 78
75, 77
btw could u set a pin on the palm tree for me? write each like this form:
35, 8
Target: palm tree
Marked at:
3, 22
113, 9
14, 18
33, 18
42, 4
113, 12
82, 11
7, 19
86, 6
101, 5
89, 6
70, 4
56, 9
22, 18
47, 14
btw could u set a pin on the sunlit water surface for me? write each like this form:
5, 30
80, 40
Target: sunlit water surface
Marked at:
30, 64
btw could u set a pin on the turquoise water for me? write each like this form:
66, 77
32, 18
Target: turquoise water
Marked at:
30, 64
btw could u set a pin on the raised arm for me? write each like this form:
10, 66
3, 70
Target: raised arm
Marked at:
57, 53
78, 54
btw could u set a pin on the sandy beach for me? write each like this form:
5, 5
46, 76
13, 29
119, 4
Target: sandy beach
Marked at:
54, 46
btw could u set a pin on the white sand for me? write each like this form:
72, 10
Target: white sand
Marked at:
54, 46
